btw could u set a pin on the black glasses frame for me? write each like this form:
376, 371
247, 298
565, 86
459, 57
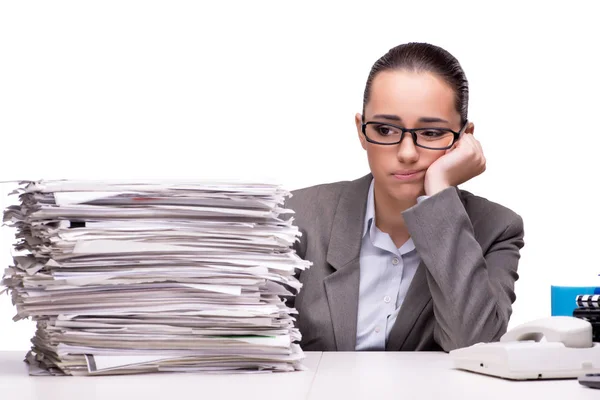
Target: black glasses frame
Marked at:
413, 134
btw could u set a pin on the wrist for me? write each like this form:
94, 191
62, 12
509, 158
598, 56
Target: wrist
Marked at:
434, 187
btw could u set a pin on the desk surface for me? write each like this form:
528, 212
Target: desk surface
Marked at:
419, 375
373, 375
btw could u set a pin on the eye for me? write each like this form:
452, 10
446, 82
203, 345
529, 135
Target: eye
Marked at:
386, 130
432, 133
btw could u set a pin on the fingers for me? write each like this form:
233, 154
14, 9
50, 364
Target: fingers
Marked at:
475, 150
472, 143
478, 145
468, 142
480, 158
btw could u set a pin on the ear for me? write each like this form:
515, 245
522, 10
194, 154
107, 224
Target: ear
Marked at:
361, 137
470, 128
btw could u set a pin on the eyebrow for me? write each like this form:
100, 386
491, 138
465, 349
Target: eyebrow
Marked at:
397, 118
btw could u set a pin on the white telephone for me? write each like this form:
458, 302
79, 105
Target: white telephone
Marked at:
567, 352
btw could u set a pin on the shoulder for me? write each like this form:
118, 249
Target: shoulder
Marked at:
315, 206
313, 212
484, 212
312, 197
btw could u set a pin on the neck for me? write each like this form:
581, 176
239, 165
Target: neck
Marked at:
388, 212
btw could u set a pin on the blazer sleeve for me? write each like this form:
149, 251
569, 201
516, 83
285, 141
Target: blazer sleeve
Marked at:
472, 289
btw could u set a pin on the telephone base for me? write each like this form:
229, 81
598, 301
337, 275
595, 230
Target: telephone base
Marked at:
529, 359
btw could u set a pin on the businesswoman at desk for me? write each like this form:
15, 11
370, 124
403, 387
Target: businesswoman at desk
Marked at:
402, 258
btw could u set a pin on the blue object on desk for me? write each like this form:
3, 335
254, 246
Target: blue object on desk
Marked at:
562, 298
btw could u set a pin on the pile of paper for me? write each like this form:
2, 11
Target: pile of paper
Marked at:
131, 277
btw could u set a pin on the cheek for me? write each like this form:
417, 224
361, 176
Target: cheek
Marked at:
428, 157
380, 157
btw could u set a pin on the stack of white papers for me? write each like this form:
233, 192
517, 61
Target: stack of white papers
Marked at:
131, 277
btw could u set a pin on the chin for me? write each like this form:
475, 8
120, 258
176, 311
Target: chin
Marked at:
403, 191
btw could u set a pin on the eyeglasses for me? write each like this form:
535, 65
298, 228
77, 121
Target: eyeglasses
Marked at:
427, 138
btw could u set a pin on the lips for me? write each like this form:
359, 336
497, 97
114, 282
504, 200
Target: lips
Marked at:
407, 174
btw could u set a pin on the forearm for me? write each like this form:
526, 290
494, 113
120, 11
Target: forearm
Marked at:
471, 303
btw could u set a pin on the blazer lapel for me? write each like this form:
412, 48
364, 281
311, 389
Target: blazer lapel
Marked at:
417, 298
343, 254
341, 289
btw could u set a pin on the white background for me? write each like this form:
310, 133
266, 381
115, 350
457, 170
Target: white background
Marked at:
267, 91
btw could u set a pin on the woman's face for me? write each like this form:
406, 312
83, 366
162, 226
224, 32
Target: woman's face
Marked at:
410, 100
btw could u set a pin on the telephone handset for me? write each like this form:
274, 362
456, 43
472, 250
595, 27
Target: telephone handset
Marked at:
547, 348
572, 332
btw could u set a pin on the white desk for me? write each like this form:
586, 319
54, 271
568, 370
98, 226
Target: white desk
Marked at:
424, 376
331, 376
16, 384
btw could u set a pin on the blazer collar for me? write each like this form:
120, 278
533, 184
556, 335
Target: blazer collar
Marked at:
345, 239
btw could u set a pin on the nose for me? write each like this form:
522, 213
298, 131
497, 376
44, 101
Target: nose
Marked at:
407, 150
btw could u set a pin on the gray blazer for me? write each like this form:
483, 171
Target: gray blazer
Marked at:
461, 294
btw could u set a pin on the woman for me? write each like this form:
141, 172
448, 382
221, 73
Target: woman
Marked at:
402, 259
